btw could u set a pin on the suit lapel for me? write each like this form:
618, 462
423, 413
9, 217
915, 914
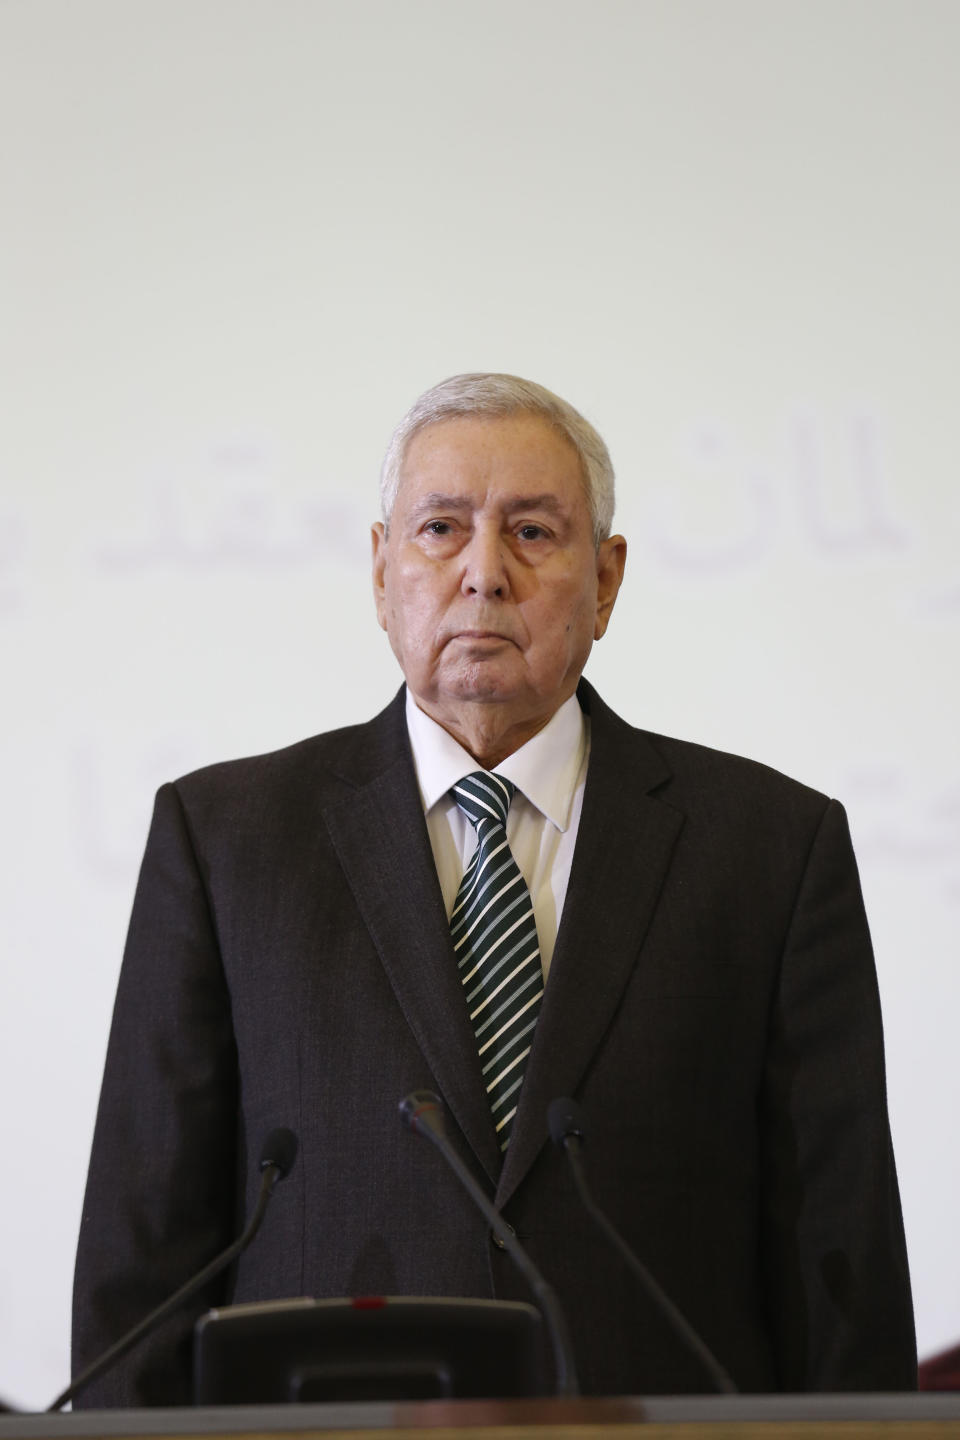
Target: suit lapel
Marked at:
623, 850
380, 836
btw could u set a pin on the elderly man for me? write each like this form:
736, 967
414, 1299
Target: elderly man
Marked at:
499, 890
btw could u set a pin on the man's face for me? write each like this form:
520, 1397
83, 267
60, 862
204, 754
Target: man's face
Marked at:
489, 585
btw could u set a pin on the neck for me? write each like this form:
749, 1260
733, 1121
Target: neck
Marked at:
488, 732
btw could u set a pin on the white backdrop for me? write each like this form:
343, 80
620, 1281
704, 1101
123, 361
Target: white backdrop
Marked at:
238, 236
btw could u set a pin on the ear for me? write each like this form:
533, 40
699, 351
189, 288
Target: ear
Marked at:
611, 559
378, 540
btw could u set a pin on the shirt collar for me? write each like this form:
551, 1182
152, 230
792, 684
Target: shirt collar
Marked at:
545, 769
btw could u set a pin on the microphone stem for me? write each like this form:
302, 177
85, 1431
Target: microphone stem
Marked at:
556, 1323
686, 1331
197, 1282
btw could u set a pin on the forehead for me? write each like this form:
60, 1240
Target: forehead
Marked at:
517, 455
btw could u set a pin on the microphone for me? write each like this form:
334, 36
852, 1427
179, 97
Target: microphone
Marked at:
566, 1126
422, 1112
276, 1160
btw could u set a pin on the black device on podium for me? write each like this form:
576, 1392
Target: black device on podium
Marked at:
368, 1348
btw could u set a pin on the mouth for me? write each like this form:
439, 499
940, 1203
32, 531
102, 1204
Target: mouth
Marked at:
482, 637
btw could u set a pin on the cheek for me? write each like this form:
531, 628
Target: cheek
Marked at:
578, 628
411, 619
401, 592
568, 616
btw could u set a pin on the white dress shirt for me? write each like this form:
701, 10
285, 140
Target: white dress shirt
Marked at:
549, 772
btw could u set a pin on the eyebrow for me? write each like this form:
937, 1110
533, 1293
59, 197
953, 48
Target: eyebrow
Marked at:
436, 500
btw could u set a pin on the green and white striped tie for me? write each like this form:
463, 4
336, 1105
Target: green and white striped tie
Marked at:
495, 940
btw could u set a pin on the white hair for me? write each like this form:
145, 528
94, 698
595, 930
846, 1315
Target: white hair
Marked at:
500, 395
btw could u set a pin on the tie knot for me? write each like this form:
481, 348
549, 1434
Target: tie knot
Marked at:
482, 796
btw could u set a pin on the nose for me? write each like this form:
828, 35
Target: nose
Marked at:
485, 565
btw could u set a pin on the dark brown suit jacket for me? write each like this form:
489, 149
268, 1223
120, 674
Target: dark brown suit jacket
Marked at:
712, 1003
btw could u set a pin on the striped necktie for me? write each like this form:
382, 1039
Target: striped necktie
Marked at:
495, 941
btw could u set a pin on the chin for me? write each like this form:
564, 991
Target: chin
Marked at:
483, 683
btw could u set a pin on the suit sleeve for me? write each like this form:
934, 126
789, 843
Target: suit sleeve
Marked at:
161, 1196
833, 1249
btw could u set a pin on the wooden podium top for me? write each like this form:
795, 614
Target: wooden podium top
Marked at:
747, 1417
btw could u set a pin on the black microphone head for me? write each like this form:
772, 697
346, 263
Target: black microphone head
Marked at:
564, 1119
422, 1110
280, 1151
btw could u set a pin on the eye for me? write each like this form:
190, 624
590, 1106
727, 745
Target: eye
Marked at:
438, 527
531, 532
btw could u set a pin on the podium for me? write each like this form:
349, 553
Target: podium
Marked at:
702, 1417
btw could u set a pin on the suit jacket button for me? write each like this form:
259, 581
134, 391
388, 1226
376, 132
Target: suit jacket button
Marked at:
496, 1238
